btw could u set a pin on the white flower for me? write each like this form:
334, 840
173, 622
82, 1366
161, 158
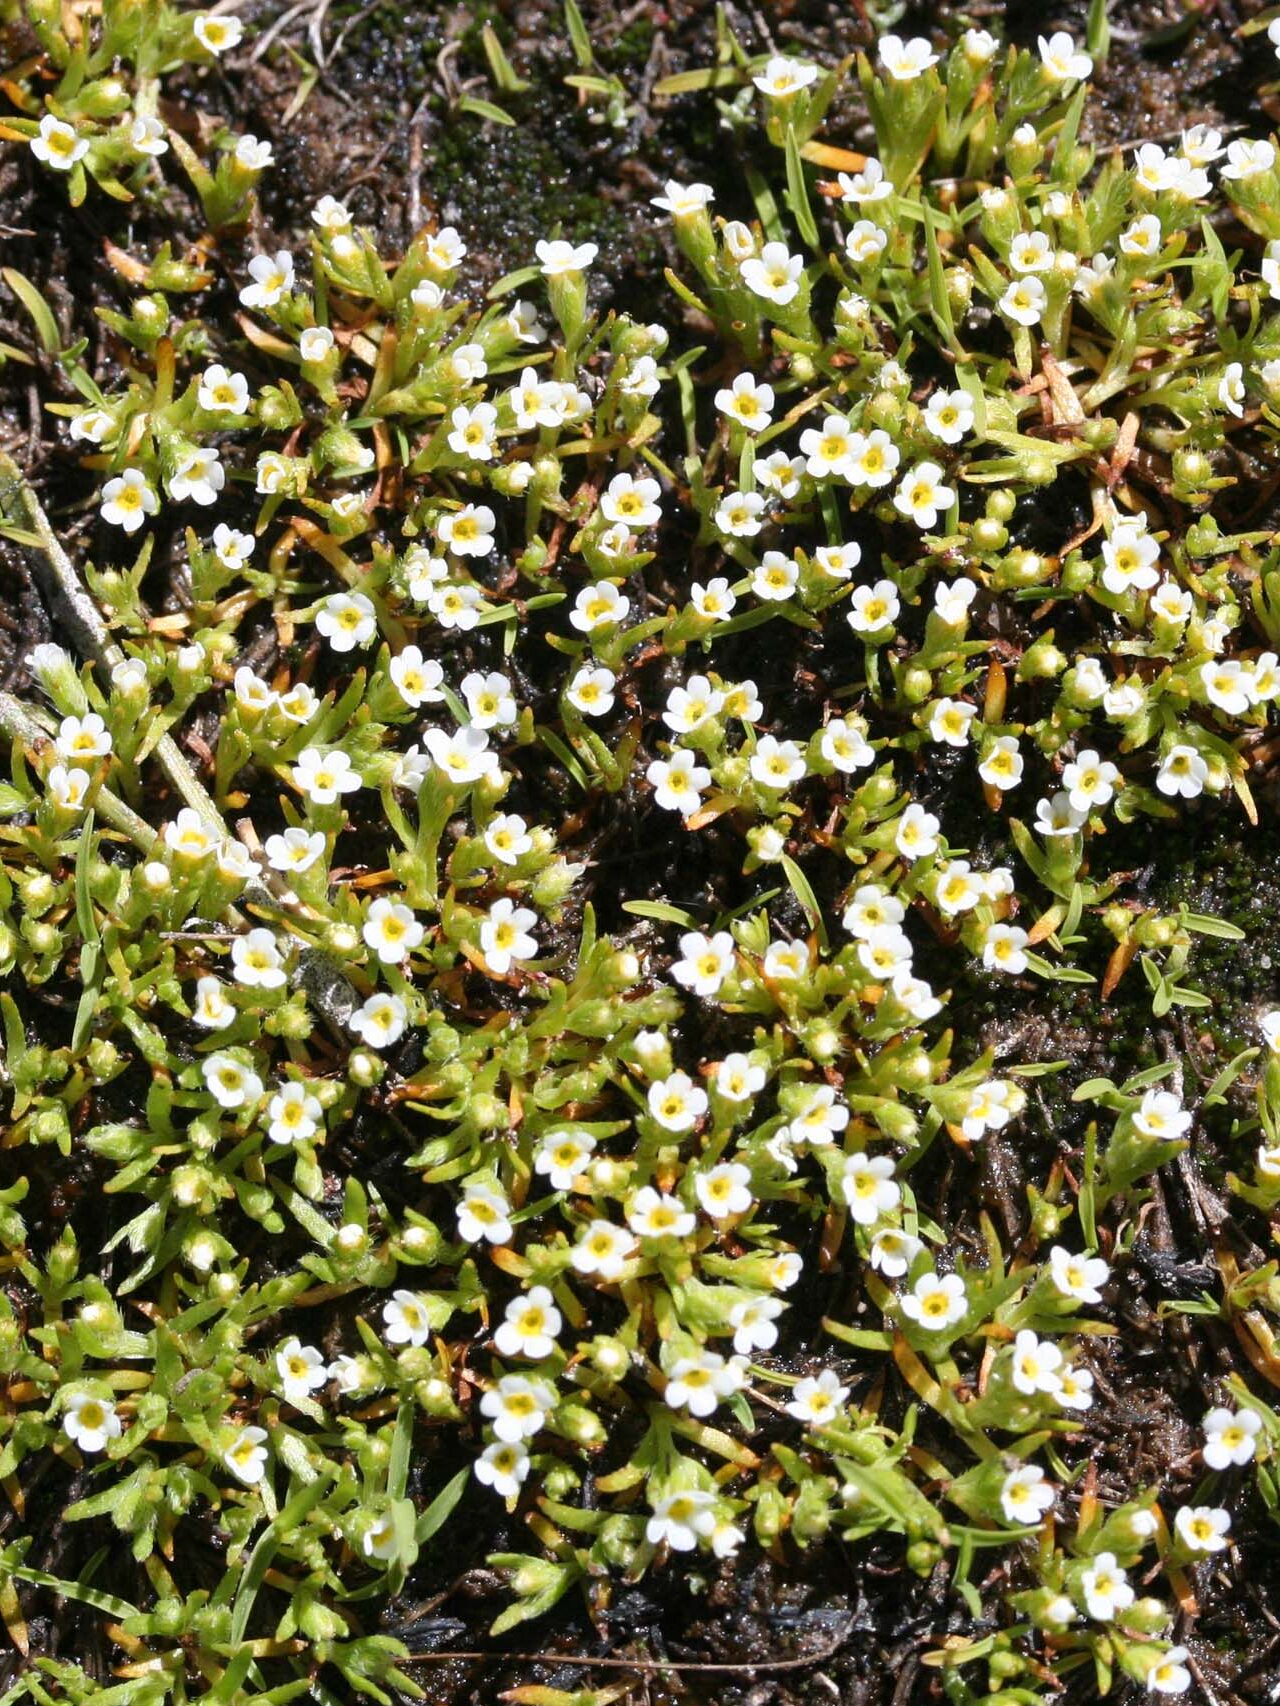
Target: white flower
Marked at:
979, 46
1226, 686
490, 701
1035, 1364
949, 415
530, 1326
598, 606
128, 500
1248, 159
838, 561
198, 476
844, 745
1142, 237
905, 60
446, 250
507, 838
224, 391
92, 426
952, 602
1269, 1025
705, 962
1002, 764
231, 1084
484, 1215
872, 609
1168, 1673
1025, 1495
83, 737
559, 259
406, 1319
893, 1251
676, 1102
330, 215
219, 35
272, 473
464, 756
775, 578
936, 1302
868, 185
591, 690
322, 776
246, 1456
1130, 555
632, 502
777, 763
915, 995
1059, 817
455, 606
873, 459
821, 1119
212, 1009
1203, 1528
232, 548
865, 242
1182, 773
681, 1519
603, 1249
655, 1214
1076, 1390
724, 1190
868, 1187
922, 496
917, 833
1161, 1115
743, 702
682, 200
780, 473
774, 274
391, 930
817, 1399
1089, 781
503, 1466
871, 909
678, 782
257, 961
89, 1422
949, 721
747, 401
782, 78
1024, 300
1078, 1277
562, 1156
1062, 60
517, 1407
1231, 389
990, 1107
416, 679
504, 936
348, 620
467, 532
1031, 251
67, 787
715, 600
315, 343
1105, 1588
293, 1114
57, 144
301, 1369
738, 516
752, 1320
474, 431
738, 1079
698, 1383
272, 277
1230, 1438
380, 1021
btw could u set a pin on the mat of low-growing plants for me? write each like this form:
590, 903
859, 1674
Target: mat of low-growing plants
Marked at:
639, 891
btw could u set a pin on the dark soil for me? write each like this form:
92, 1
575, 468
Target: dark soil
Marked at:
382, 130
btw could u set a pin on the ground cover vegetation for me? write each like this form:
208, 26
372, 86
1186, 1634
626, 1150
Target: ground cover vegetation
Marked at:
636, 934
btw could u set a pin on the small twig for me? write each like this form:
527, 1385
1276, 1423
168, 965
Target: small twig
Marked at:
646, 1666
